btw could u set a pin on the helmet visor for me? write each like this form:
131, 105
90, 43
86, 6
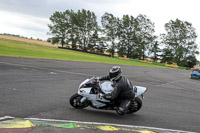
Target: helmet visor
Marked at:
113, 75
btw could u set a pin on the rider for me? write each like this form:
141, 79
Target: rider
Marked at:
123, 89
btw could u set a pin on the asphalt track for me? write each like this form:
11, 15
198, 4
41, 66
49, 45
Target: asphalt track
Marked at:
39, 88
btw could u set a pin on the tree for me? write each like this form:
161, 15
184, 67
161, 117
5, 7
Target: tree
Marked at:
101, 47
189, 61
144, 34
49, 40
73, 30
110, 29
180, 40
86, 26
60, 26
136, 54
167, 56
97, 43
154, 49
126, 36
121, 50
93, 42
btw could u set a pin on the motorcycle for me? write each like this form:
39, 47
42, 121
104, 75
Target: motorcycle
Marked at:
89, 95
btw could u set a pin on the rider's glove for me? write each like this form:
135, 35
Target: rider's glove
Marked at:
113, 84
97, 79
100, 95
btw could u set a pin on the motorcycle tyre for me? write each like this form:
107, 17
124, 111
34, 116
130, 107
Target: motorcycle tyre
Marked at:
139, 105
79, 105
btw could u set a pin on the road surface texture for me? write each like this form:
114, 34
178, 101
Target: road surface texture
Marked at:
40, 88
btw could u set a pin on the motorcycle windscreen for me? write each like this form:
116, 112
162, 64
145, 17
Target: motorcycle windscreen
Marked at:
106, 87
140, 90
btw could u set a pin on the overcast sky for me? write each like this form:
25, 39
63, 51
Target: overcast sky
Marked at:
29, 18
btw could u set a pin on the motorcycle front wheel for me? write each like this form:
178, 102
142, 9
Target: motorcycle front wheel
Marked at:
75, 101
135, 106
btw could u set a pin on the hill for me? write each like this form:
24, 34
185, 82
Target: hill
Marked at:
44, 43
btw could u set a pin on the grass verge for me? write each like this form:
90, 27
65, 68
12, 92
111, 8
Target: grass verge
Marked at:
20, 49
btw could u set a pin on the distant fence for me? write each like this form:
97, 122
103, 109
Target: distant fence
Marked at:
84, 51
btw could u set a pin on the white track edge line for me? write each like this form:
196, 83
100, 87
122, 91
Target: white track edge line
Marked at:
6, 117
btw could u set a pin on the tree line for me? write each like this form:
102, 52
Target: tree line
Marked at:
131, 37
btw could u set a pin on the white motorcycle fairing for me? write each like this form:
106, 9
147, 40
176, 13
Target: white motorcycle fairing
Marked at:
85, 92
107, 88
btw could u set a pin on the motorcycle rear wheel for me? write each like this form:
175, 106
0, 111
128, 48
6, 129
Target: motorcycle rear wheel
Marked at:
135, 106
75, 101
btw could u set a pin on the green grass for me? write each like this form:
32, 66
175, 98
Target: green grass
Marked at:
21, 49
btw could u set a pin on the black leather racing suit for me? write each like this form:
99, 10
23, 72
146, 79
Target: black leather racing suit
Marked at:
123, 90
